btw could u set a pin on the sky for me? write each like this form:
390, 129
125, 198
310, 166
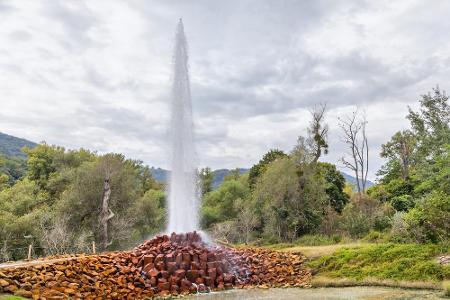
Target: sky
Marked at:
97, 74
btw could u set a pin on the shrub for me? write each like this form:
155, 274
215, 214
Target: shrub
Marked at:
402, 203
318, 240
429, 220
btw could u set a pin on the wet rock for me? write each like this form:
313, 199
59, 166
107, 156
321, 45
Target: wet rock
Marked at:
161, 266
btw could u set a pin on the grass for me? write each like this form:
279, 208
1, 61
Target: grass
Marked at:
313, 252
323, 281
397, 262
446, 287
10, 297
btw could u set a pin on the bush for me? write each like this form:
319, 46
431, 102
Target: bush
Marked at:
374, 237
428, 222
402, 203
318, 240
363, 214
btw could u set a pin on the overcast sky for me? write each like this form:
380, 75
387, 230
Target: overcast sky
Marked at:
96, 74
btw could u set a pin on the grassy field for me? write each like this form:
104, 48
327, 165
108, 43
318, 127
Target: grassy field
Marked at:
385, 261
10, 297
368, 264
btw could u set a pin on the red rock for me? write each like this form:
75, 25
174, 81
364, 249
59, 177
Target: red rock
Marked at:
185, 283
171, 267
212, 273
186, 258
199, 280
211, 256
202, 288
179, 258
164, 274
148, 259
203, 257
153, 272
191, 275
180, 273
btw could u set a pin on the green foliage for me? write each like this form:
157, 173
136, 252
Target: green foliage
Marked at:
12, 168
257, 170
318, 240
206, 180
57, 205
429, 220
364, 213
219, 205
149, 213
290, 198
402, 203
334, 186
385, 261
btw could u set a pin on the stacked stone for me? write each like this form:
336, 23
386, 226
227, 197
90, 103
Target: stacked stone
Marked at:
165, 265
183, 264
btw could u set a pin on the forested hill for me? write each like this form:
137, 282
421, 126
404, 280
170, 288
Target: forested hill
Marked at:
11, 145
220, 174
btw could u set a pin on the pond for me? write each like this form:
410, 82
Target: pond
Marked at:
357, 293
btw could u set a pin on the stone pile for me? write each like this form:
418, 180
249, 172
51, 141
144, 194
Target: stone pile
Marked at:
165, 265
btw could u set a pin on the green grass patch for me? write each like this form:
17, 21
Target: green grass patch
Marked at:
318, 240
11, 297
385, 261
446, 287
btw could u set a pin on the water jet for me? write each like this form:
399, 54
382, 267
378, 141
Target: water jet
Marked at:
182, 188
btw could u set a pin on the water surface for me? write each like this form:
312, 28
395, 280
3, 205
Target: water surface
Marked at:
347, 293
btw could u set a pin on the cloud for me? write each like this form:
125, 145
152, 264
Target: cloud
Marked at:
96, 74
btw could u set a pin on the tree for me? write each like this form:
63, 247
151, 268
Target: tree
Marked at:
206, 180
97, 188
289, 197
234, 174
219, 205
334, 186
431, 124
318, 132
401, 148
257, 170
354, 129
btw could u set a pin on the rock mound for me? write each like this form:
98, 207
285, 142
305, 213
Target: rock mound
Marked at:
176, 264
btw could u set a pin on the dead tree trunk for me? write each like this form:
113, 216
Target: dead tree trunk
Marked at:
355, 137
105, 215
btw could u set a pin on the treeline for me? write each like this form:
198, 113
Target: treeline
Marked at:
289, 195
66, 199
63, 200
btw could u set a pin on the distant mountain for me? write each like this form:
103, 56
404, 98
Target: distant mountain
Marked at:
220, 174
161, 175
11, 145
352, 180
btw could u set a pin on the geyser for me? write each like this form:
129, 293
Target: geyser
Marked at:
183, 197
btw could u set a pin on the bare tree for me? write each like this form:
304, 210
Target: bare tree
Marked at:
55, 236
247, 220
354, 128
318, 132
106, 213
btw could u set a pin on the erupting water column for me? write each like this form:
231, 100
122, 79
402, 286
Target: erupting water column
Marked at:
183, 198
